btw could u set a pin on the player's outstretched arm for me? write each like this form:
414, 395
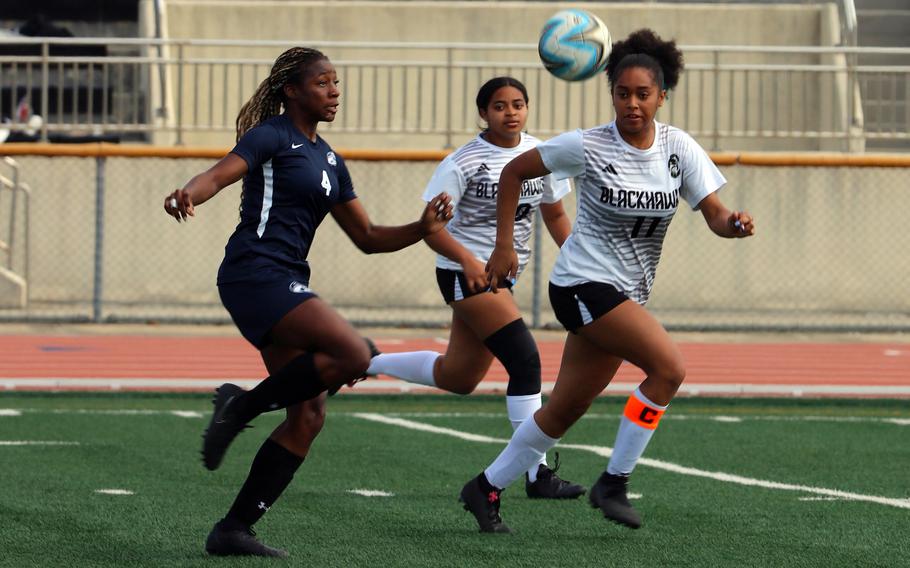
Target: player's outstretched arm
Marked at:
503, 263
370, 238
204, 186
726, 223
557, 222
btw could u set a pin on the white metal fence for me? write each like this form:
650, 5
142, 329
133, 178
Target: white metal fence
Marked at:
14, 219
731, 97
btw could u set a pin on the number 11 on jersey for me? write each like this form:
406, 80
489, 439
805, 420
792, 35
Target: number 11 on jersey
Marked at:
326, 183
639, 221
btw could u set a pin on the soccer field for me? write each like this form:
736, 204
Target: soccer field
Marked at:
726, 482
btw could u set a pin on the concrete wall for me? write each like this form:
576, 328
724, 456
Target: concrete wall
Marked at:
376, 96
829, 241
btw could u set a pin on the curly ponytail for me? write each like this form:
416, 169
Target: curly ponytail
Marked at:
645, 49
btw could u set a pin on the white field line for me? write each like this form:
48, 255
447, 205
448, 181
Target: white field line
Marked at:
35, 443
110, 412
186, 413
605, 452
371, 493
820, 499
387, 385
674, 417
589, 416
114, 491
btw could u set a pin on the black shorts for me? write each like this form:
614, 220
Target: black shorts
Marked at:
579, 305
257, 306
454, 286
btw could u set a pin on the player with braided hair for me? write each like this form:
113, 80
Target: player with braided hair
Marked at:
291, 180
630, 175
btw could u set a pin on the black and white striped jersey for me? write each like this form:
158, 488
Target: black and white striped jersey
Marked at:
626, 200
471, 176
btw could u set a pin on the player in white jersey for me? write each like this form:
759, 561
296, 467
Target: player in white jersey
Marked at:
630, 176
485, 325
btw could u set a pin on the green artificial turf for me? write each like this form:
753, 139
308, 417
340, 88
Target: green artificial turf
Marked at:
50, 514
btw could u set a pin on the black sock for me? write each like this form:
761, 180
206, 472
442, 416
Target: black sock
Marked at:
295, 382
272, 471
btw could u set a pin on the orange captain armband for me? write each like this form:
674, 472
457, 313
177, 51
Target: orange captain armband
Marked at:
642, 414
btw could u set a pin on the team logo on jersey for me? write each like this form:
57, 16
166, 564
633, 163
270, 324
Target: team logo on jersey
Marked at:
673, 164
483, 167
611, 169
331, 159
297, 287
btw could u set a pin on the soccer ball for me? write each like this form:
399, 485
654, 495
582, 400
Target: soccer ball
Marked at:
574, 45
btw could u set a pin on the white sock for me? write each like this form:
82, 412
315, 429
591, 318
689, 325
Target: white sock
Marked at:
526, 447
639, 420
520, 408
414, 367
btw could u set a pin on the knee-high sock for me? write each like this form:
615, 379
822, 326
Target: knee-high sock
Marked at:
525, 448
639, 420
520, 408
414, 367
272, 471
295, 382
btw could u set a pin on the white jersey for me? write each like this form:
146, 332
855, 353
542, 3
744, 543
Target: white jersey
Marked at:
626, 200
471, 176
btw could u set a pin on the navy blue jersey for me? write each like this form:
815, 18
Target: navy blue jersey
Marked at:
290, 186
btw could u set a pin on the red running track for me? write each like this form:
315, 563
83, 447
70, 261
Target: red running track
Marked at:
111, 362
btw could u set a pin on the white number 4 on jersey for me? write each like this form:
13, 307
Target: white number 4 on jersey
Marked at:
326, 183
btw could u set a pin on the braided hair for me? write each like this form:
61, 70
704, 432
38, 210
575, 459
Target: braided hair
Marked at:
266, 102
645, 49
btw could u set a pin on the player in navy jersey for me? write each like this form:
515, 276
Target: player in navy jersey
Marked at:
630, 176
291, 180
486, 325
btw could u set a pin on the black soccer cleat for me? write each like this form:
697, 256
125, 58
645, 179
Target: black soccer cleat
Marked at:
484, 505
227, 540
550, 486
223, 427
374, 351
609, 495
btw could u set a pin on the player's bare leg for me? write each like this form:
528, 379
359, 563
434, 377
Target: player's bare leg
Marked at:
631, 333
272, 470
329, 352
466, 360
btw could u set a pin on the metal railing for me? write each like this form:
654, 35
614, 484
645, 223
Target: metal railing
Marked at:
15, 238
729, 97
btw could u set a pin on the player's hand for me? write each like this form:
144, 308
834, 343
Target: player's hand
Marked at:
436, 214
475, 274
742, 224
178, 205
502, 267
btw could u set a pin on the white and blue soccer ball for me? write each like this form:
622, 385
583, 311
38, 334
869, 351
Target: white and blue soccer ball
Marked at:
574, 45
